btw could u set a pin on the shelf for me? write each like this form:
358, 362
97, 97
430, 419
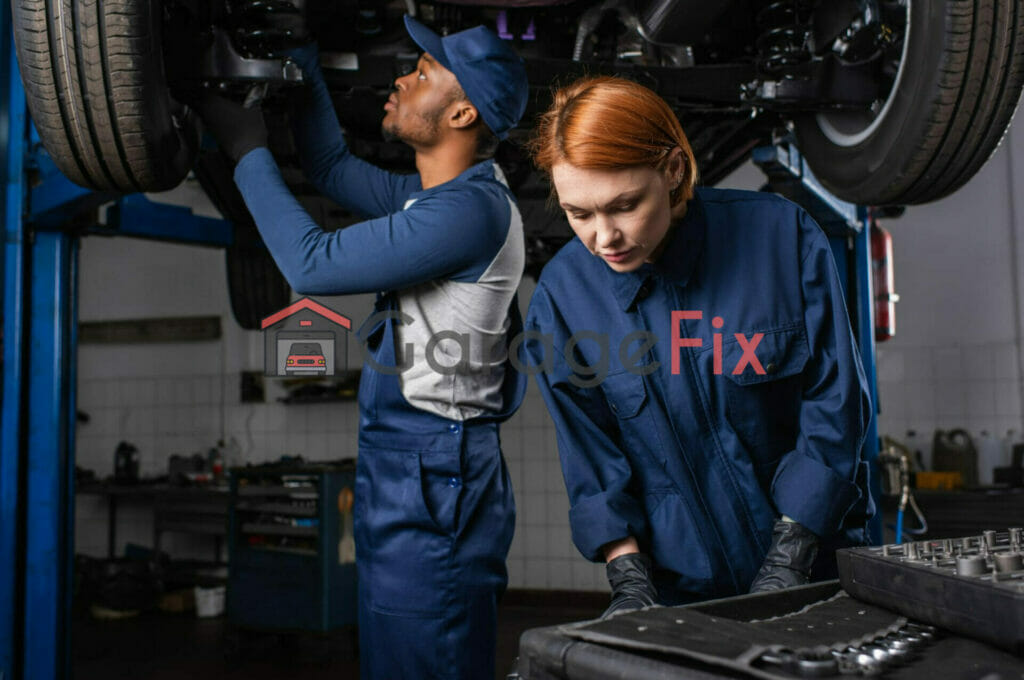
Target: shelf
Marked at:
277, 509
305, 492
279, 530
283, 549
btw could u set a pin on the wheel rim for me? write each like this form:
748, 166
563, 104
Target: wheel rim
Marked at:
850, 128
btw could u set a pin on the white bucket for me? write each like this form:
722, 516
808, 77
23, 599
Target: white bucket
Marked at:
209, 601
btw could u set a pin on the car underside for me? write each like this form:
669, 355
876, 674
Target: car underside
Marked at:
891, 102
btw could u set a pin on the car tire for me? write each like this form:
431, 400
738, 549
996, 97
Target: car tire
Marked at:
256, 287
94, 81
955, 90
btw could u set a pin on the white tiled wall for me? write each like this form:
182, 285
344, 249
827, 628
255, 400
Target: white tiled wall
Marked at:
967, 394
956, 359
954, 363
182, 397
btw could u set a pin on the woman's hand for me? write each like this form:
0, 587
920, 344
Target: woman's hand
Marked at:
629, 574
630, 579
789, 559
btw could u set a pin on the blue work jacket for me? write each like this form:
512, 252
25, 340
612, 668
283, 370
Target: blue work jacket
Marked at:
691, 443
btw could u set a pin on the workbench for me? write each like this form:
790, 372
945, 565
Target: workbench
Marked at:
962, 513
198, 510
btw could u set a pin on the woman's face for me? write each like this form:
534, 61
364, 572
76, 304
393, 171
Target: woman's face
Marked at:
622, 216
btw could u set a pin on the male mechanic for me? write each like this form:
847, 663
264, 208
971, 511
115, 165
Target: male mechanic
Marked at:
434, 511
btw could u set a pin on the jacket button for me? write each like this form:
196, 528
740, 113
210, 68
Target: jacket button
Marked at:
644, 291
772, 367
454, 482
453, 428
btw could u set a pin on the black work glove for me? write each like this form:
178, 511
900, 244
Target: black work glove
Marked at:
789, 559
238, 130
630, 579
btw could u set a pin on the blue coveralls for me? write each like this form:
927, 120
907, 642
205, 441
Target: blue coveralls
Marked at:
697, 464
434, 510
434, 517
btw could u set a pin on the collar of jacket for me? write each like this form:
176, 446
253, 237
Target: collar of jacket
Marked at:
484, 168
676, 264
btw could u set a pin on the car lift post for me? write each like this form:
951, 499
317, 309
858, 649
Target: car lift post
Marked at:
849, 234
44, 215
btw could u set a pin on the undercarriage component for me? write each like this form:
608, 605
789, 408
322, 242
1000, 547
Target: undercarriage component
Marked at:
222, 62
674, 22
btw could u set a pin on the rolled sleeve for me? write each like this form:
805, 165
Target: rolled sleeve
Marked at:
816, 484
813, 494
600, 519
597, 473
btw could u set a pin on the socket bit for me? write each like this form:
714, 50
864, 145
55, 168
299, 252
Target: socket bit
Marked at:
1015, 536
1009, 562
971, 565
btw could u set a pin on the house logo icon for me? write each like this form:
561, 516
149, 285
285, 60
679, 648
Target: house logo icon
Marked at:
303, 339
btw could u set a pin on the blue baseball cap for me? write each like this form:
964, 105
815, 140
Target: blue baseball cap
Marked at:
490, 72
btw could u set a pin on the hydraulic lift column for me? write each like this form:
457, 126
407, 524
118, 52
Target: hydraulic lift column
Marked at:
36, 448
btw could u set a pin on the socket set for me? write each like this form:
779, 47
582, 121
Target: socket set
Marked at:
972, 585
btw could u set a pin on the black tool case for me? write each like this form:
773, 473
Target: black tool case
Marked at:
932, 581
812, 631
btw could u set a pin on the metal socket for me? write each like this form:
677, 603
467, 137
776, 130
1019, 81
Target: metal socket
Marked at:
1005, 562
971, 565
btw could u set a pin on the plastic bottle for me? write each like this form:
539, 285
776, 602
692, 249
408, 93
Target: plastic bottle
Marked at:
990, 450
918, 446
1009, 440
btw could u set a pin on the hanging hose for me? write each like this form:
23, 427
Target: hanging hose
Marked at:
896, 453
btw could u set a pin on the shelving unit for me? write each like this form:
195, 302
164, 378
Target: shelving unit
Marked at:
290, 546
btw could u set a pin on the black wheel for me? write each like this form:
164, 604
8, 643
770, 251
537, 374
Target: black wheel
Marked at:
256, 287
953, 76
94, 80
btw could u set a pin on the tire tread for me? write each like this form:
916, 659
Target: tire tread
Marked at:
92, 70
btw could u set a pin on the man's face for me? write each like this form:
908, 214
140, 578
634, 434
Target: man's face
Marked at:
417, 107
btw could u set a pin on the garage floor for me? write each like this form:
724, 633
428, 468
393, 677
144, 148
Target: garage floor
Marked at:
160, 646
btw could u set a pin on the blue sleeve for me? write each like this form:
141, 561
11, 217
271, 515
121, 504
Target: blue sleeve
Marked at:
816, 483
446, 234
355, 184
597, 473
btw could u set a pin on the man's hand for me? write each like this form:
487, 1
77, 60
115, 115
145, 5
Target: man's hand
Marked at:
238, 130
789, 559
630, 579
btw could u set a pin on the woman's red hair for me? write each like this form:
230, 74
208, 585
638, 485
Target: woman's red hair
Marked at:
609, 123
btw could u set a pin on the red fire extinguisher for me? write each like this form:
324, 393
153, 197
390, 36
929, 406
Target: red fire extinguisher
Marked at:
883, 281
